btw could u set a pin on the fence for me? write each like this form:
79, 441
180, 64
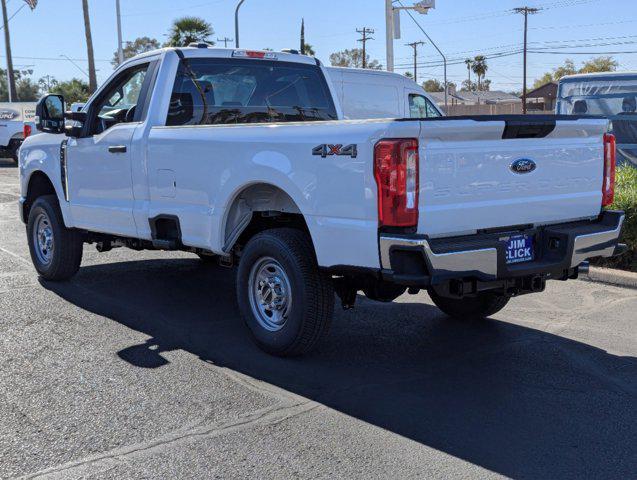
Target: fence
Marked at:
512, 108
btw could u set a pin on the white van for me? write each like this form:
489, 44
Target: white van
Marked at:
379, 94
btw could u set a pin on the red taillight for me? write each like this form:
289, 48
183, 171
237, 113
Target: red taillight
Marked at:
26, 130
396, 173
608, 185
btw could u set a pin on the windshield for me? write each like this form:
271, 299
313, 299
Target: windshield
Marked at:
597, 96
614, 98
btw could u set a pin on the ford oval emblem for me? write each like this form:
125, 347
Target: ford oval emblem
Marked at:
523, 165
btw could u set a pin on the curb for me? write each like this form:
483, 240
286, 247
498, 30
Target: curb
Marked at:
611, 276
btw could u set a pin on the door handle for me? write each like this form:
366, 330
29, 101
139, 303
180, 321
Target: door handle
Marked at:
117, 149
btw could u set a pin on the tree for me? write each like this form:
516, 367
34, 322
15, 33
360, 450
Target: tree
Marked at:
26, 89
187, 30
92, 77
469, 86
433, 86
599, 64
485, 86
468, 62
137, 46
408, 74
353, 58
594, 65
479, 67
567, 69
74, 90
309, 50
543, 80
47, 83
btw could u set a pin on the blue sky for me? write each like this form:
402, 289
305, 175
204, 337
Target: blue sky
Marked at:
461, 28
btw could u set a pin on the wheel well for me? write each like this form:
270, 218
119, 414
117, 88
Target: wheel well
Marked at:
39, 185
260, 207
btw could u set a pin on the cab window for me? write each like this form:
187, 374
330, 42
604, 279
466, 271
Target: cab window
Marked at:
119, 102
224, 91
421, 107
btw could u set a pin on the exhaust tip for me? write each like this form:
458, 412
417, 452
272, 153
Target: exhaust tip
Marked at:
584, 268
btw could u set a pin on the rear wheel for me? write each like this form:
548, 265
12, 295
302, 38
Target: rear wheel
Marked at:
285, 300
483, 305
56, 251
14, 146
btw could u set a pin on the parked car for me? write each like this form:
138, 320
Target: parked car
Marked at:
612, 95
13, 118
245, 157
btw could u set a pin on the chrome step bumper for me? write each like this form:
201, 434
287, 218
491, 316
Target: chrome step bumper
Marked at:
559, 248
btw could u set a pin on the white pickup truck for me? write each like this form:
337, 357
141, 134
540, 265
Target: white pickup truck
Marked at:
243, 157
16, 120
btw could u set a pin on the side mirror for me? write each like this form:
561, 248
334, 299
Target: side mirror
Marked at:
76, 128
49, 114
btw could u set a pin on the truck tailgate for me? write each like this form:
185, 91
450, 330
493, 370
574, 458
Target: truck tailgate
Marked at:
468, 182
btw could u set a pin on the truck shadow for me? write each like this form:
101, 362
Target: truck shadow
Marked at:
517, 401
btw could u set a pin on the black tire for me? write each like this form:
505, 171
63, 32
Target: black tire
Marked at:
481, 306
311, 293
14, 146
66, 254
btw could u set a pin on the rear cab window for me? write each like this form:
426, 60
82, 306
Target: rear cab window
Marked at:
229, 90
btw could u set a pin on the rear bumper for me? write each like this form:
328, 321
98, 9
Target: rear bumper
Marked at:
416, 260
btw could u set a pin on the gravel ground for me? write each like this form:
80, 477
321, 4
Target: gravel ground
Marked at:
141, 368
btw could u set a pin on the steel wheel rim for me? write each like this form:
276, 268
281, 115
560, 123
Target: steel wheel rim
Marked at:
270, 294
43, 241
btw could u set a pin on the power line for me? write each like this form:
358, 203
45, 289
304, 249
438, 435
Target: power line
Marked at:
364, 32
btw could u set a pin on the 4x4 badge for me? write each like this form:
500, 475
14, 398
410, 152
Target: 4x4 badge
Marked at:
338, 149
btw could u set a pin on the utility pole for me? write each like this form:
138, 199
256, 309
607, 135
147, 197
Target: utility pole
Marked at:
48, 79
13, 96
364, 32
225, 41
526, 11
415, 45
120, 50
389, 34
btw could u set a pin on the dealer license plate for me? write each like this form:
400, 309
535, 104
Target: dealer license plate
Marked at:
519, 248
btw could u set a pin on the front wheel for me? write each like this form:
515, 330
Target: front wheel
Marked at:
285, 300
483, 305
56, 251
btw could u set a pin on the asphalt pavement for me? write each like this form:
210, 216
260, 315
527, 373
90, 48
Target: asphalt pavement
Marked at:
140, 367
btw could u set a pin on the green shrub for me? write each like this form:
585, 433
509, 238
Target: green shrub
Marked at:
626, 200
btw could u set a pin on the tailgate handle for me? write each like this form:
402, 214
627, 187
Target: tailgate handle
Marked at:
117, 149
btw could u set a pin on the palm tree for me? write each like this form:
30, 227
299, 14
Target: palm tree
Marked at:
13, 96
468, 62
480, 68
187, 30
92, 79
